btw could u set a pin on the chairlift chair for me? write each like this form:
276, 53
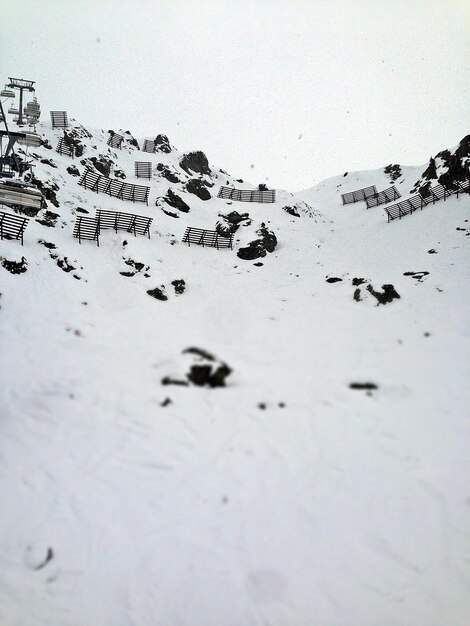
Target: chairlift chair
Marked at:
7, 93
13, 110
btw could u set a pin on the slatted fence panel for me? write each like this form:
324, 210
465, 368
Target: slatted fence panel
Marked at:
59, 119
129, 222
64, 148
115, 140
209, 238
143, 169
12, 226
149, 146
242, 195
114, 187
387, 195
358, 195
87, 228
412, 204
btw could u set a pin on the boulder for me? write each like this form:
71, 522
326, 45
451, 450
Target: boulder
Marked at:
175, 201
162, 144
195, 162
198, 187
258, 248
167, 173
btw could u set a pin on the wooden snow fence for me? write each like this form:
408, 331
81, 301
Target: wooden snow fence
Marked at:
143, 169
114, 187
89, 228
149, 146
64, 148
207, 238
245, 195
436, 193
358, 195
387, 195
129, 222
59, 119
115, 140
12, 226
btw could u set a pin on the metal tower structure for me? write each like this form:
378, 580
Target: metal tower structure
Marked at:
21, 85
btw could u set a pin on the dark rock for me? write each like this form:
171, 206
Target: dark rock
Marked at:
64, 264
179, 285
173, 381
430, 173
358, 281
432, 251
258, 248
167, 173
119, 174
102, 164
268, 237
73, 170
393, 172
157, 293
417, 275
15, 267
45, 143
254, 250
389, 294
262, 187
258, 264
132, 141
202, 375
80, 210
231, 222
203, 354
166, 402
357, 295
224, 229
363, 386
49, 557
46, 244
292, 210
136, 265
175, 201
162, 144
234, 217
48, 190
49, 162
333, 279
198, 187
195, 162
170, 213
48, 219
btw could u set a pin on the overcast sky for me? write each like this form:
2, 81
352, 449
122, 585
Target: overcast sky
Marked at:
284, 91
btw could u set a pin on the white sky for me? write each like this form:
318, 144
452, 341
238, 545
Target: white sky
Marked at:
364, 83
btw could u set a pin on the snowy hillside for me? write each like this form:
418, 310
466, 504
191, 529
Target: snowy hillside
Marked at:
326, 483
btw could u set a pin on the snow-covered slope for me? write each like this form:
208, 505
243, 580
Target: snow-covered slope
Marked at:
286, 497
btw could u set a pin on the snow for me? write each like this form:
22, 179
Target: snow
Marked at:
284, 498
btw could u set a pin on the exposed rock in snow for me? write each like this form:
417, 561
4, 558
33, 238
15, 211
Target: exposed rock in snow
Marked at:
195, 162
162, 144
14, 267
176, 201
198, 187
387, 295
158, 293
169, 173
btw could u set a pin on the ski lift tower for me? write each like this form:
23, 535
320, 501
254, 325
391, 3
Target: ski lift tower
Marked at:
22, 85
